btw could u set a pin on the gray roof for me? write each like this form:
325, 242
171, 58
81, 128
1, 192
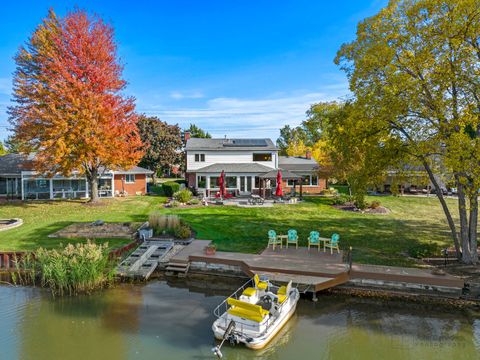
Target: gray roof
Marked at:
135, 170
14, 164
286, 175
296, 163
235, 168
229, 144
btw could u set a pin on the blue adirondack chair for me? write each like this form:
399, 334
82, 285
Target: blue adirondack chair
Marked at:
314, 239
273, 239
292, 238
332, 244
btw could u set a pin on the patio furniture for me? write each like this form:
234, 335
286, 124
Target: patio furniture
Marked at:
292, 238
314, 239
256, 200
332, 244
273, 239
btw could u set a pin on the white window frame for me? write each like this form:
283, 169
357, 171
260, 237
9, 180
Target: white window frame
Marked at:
262, 153
129, 181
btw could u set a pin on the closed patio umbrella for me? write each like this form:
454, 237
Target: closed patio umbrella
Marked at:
279, 190
222, 183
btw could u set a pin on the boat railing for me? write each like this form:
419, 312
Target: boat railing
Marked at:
223, 307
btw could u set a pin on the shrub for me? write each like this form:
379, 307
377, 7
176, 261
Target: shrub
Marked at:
170, 187
375, 204
360, 204
422, 250
329, 192
194, 202
183, 196
175, 203
180, 181
342, 199
182, 232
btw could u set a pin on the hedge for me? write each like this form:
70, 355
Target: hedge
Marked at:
170, 187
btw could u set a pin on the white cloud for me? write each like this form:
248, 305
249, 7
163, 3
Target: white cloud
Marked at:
240, 117
178, 95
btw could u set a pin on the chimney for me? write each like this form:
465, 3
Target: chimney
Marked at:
186, 136
308, 155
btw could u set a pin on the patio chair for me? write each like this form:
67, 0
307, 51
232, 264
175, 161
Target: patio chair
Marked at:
292, 238
314, 239
332, 244
273, 239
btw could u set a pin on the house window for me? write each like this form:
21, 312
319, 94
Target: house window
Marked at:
201, 182
129, 178
262, 157
306, 180
257, 182
214, 182
231, 182
290, 183
199, 157
314, 180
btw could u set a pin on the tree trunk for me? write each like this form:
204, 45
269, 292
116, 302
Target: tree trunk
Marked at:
92, 179
462, 211
450, 221
473, 223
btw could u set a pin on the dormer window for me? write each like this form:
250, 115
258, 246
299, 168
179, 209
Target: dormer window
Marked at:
262, 157
199, 157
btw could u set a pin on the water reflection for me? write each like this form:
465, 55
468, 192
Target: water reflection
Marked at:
173, 320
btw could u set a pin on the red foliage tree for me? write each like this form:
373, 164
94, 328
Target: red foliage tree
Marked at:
69, 107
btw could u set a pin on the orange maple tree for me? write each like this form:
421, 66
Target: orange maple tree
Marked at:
70, 111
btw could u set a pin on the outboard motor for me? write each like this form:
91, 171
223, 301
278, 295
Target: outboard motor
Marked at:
227, 335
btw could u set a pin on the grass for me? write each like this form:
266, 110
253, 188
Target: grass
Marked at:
415, 226
44, 218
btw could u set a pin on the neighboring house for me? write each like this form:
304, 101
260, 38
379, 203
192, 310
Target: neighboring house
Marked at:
249, 165
19, 180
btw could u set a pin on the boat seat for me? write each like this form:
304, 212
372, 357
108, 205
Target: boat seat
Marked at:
283, 291
246, 311
249, 291
281, 298
262, 285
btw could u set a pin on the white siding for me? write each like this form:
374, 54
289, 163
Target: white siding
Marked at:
227, 157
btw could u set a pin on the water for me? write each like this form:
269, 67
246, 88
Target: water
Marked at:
172, 321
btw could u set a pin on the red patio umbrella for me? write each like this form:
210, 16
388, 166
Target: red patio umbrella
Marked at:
279, 191
222, 183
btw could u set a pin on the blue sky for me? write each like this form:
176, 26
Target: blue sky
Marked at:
235, 68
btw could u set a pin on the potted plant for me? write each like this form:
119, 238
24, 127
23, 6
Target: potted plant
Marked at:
210, 249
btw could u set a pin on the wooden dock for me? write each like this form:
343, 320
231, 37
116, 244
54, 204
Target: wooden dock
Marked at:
145, 259
317, 270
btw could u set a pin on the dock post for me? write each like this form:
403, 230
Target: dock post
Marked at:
314, 296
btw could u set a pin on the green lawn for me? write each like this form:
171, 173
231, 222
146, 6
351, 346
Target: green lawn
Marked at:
44, 218
415, 225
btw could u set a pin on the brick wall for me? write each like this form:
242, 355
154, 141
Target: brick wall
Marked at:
140, 184
322, 184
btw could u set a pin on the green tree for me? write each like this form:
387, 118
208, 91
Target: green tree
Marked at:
12, 145
197, 132
3, 151
414, 70
163, 144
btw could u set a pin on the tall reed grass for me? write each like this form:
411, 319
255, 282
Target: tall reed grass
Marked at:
163, 223
79, 268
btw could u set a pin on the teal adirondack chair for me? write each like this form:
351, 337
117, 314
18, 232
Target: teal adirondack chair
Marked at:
292, 238
273, 239
314, 239
332, 244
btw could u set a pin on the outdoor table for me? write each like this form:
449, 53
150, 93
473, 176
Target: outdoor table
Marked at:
325, 240
282, 238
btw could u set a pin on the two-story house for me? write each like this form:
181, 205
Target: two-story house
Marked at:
249, 164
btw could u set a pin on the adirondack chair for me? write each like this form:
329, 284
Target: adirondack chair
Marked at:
273, 239
332, 244
314, 239
292, 238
